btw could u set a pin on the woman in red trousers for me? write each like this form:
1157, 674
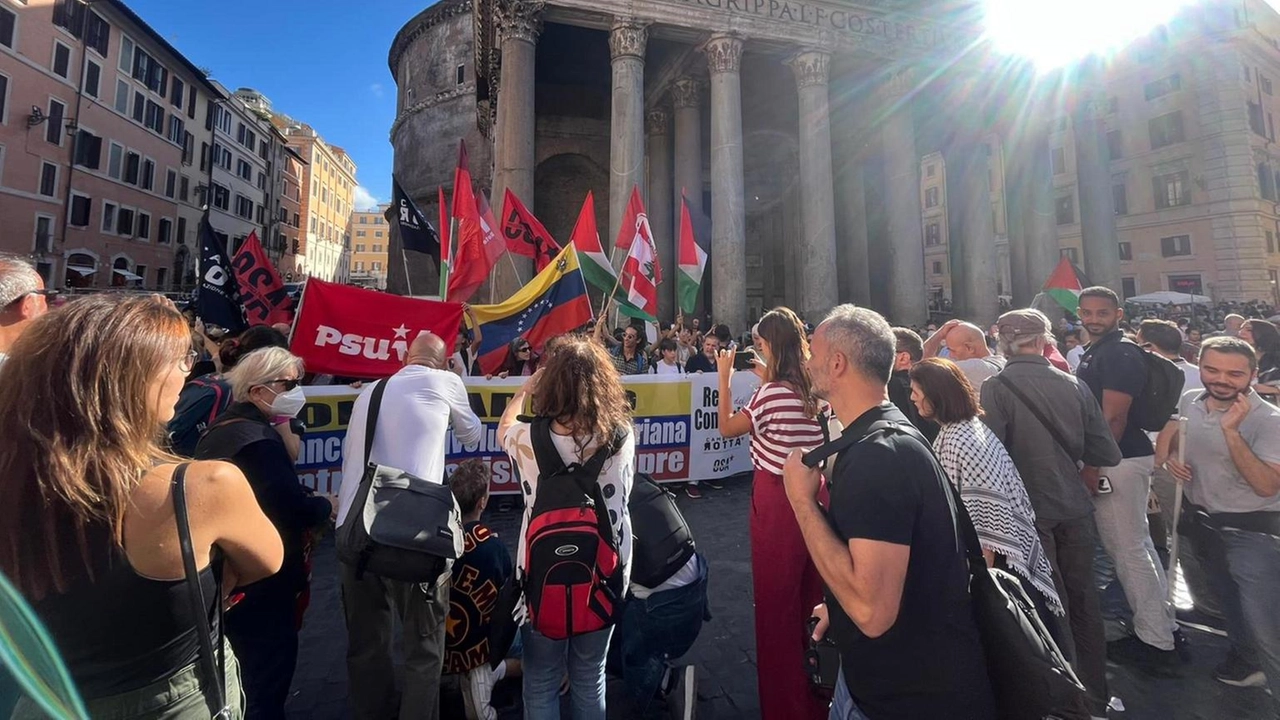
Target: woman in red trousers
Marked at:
780, 416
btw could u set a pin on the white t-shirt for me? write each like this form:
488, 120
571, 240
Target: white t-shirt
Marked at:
662, 368
979, 369
615, 482
1073, 357
686, 575
413, 423
1192, 374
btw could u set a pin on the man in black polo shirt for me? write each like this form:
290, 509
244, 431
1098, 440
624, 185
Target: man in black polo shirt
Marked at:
897, 598
1115, 370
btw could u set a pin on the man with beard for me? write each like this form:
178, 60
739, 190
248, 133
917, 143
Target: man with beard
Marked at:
706, 362
1116, 372
1231, 472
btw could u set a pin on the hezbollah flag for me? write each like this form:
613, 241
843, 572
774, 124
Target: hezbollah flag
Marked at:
1064, 287
553, 303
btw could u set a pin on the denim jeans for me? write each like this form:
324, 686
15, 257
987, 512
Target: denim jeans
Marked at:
1249, 584
842, 705
545, 661
657, 629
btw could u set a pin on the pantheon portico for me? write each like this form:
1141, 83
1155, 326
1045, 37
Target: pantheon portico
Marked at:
796, 127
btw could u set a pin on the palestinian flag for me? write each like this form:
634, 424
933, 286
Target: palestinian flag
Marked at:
596, 268
445, 242
692, 259
1064, 287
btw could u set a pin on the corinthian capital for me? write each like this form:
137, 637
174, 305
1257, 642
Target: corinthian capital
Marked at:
627, 38
812, 67
724, 53
657, 122
520, 19
686, 92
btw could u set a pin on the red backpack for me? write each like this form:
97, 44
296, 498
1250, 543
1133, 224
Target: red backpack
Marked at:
573, 568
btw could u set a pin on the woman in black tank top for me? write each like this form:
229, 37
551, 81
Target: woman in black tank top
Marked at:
87, 532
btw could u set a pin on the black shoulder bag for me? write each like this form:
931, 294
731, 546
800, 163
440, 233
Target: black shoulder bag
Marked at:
215, 678
1030, 676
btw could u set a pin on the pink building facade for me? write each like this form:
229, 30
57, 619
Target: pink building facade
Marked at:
100, 119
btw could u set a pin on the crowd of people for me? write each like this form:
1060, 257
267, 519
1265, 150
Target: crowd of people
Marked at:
155, 522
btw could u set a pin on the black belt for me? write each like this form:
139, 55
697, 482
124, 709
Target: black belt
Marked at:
1266, 522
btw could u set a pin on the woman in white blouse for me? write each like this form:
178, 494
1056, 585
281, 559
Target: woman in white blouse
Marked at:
989, 484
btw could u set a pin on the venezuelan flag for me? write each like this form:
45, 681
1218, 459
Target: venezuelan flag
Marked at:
553, 303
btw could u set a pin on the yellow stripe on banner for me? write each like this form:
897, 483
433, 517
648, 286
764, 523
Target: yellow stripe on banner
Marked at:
657, 397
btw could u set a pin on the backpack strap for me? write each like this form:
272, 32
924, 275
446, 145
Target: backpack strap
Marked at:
371, 419
544, 449
1044, 421
214, 676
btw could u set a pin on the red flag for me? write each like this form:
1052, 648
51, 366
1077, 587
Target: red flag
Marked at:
493, 245
353, 332
478, 245
262, 292
524, 234
627, 230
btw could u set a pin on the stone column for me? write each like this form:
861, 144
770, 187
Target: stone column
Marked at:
658, 128
1039, 217
907, 302
1015, 191
852, 250
627, 42
1097, 204
969, 219
728, 224
513, 154
819, 289
686, 96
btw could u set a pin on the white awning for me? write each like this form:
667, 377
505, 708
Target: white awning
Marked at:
81, 270
126, 274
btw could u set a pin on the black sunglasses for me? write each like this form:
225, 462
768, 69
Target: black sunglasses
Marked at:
288, 384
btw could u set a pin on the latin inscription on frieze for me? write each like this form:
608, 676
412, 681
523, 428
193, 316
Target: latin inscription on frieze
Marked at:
832, 19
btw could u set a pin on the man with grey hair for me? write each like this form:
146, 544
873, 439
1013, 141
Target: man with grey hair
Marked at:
22, 299
886, 547
1051, 423
419, 404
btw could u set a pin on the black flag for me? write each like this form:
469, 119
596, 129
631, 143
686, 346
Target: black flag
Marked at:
415, 232
218, 293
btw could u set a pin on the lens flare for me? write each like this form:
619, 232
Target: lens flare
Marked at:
1053, 33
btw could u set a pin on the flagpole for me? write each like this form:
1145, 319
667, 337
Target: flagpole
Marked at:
408, 284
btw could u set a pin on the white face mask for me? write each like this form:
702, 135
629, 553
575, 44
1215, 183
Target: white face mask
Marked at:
289, 403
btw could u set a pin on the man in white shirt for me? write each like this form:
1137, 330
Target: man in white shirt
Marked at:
420, 402
22, 299
966, 347
1075, 348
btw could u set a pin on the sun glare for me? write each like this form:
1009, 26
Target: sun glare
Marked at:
1052, 33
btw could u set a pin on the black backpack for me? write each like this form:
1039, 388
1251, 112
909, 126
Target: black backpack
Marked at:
1160, 395
202, 400
661, 541
572, 565
399, 526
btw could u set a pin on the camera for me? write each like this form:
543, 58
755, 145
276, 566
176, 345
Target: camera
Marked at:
822, 659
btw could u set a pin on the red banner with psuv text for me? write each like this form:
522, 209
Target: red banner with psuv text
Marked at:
353, 332
262, 292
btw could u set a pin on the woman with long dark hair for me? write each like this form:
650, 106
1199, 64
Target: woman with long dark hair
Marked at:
579, 391
1265, 339
520, 360
781, 416
87, 526
990, 487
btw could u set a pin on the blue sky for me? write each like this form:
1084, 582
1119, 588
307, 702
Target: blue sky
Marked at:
319, 62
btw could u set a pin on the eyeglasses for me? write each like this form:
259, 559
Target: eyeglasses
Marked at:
188, 361
46, 292
287, 383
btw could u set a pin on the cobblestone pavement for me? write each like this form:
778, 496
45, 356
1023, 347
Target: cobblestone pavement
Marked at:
725, 651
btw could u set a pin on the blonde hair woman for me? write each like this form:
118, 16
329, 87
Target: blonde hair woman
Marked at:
87, 528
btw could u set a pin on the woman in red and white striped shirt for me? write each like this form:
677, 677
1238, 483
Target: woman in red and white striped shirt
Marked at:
781, 417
